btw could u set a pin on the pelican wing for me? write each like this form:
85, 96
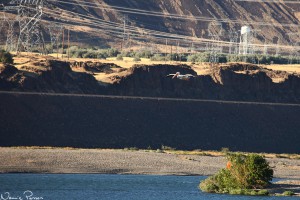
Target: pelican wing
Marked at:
190, 75
171, 75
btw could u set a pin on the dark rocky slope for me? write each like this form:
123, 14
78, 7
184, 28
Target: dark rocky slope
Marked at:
100, 122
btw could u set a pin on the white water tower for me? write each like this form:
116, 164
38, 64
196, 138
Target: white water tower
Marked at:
245, 40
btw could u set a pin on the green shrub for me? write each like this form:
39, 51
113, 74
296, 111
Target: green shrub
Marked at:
90, 54
199, 57
6, 57
119, 57
288, 193
237, 192
253, 193
246, 172
263, 193
158, 57
136, 59
209, 185
248, 192
144, 54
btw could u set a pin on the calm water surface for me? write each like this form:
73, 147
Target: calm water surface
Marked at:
96, 186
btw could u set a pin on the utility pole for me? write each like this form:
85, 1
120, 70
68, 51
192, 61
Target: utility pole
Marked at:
63, 43
68, 44
171, 54
277, 51
166, 50
125, 18
265, 52
177, 48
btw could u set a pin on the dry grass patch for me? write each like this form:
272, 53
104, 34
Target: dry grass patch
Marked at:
287, 68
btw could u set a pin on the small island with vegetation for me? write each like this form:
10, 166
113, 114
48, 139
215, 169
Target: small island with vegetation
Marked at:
244, 175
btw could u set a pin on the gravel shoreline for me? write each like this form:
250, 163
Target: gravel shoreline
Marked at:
64, 160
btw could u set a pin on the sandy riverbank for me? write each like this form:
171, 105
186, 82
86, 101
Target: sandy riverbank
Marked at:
64, 160
68, 160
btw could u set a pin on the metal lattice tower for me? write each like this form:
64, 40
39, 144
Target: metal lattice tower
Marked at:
215, 31
233, 38
55, 35
10, 34
29, 13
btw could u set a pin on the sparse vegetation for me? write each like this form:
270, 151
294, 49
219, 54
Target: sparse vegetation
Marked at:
288, 193
131, 149
119, 57
158, 57
244, 175
77, 52
136, 59
166, 148
249, 192
6, 57
225, 150
201, 57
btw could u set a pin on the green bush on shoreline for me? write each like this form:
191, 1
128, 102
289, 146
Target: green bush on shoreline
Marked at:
244, 175
6, 57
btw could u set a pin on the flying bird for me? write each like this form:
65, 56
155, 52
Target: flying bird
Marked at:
184, 77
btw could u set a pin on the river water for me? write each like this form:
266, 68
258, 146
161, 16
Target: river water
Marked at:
99, 186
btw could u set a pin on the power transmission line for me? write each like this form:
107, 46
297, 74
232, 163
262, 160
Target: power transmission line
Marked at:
117, 26
270, 1
169, 15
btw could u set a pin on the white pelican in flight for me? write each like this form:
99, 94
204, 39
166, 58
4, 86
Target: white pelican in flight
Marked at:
185, 77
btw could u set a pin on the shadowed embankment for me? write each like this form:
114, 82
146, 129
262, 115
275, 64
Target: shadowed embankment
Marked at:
118, 122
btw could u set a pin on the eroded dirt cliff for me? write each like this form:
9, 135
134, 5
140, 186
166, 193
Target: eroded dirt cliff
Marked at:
234, 81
